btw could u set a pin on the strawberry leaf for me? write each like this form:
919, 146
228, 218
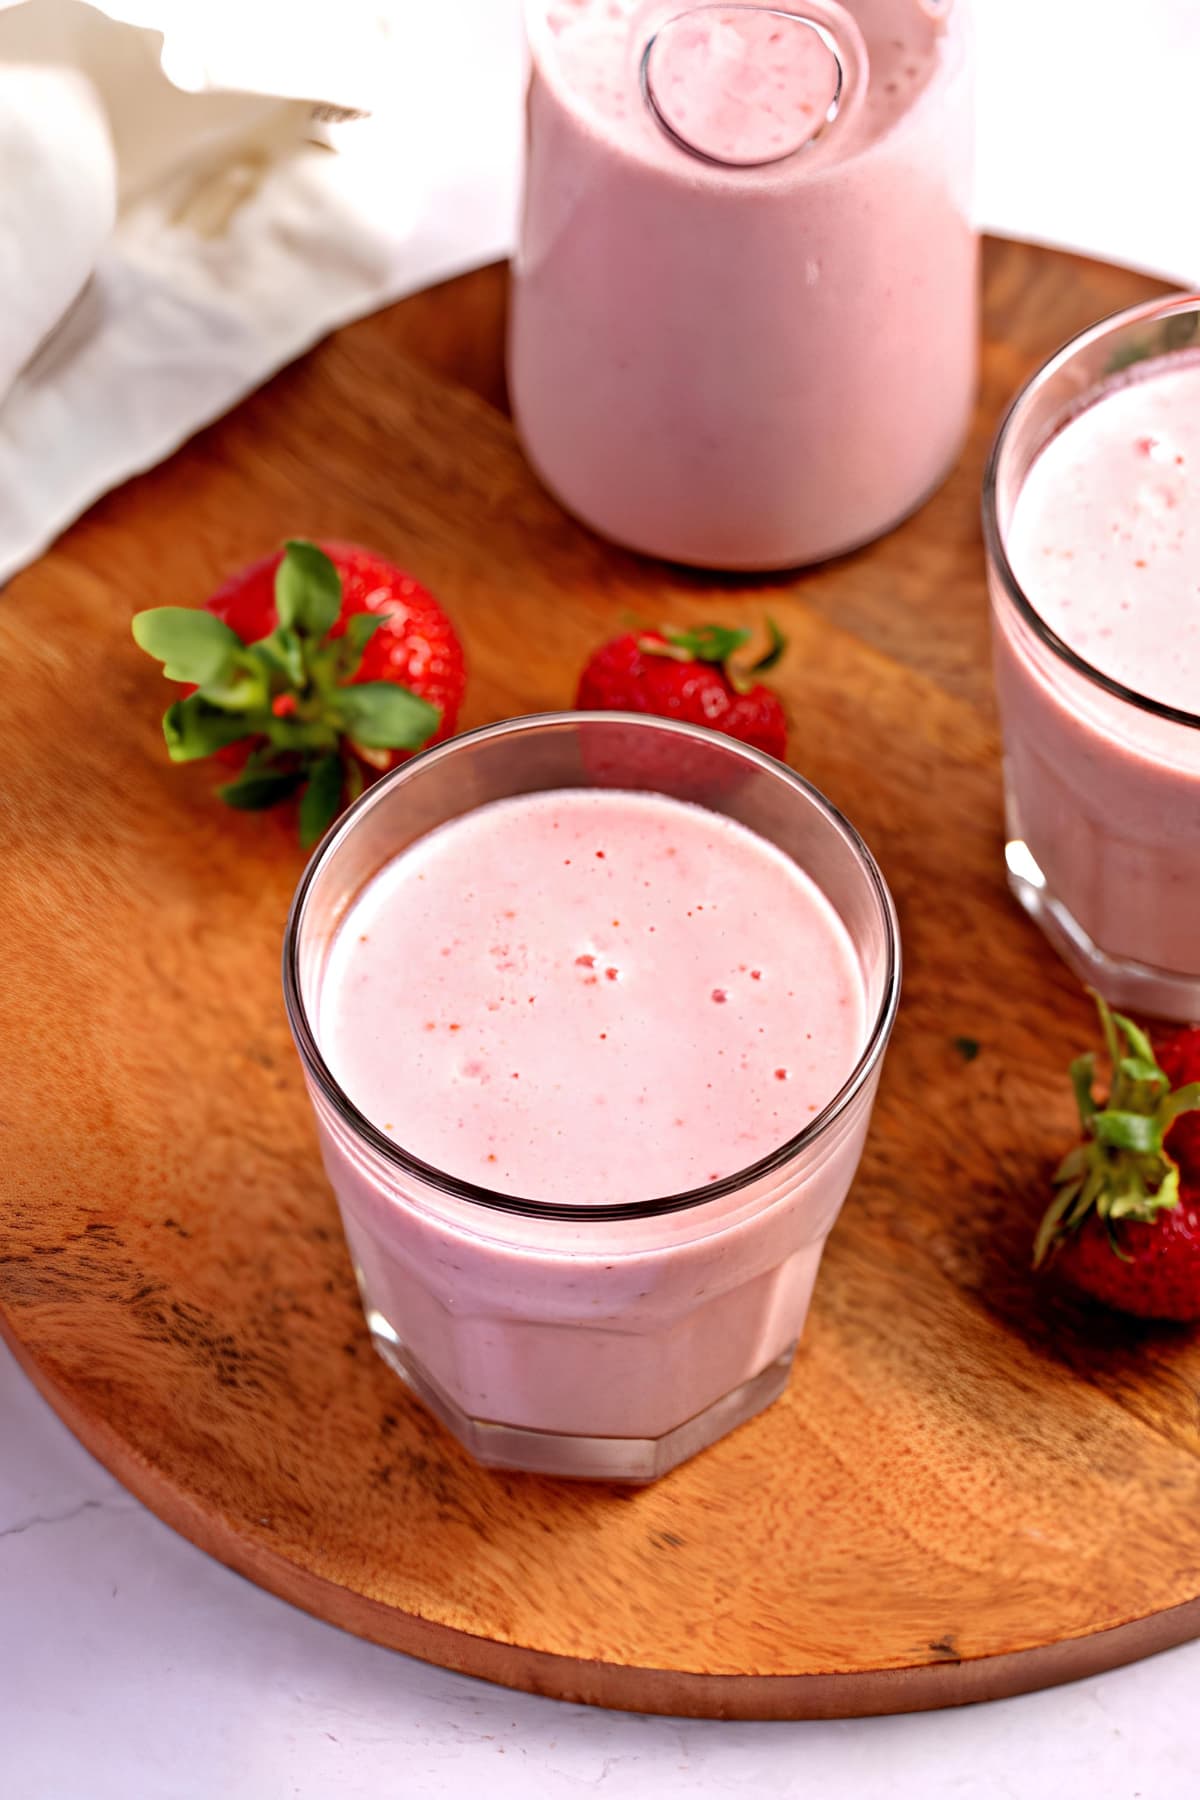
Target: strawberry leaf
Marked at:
290, 697
361, 628
778, 645
1137, 1069
1137, 1040
382, 716
1121, 1170
257, 789
281, 655
717, 645
194, 728
1074, 1165
1128, 1131
308, 589
321, 800
1083, 1074
1048, 1230
301, 735
706, 643
1109, 1027
351, 646
192, 645
1184, 1099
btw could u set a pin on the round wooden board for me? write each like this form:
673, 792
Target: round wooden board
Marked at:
972, 1486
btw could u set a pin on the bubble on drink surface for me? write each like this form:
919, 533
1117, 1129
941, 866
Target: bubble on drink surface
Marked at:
743, 85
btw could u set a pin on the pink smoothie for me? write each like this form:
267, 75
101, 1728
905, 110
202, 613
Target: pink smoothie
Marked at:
590, 997
1104, 539
744, 333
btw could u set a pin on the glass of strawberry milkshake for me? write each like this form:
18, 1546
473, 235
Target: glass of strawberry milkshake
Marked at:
592, 1009
744, 314
1092, 521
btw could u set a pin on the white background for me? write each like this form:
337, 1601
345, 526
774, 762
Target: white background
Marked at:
133, 1668
1087, 127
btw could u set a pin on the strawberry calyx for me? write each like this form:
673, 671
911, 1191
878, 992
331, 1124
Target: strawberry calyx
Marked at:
1122, 1169
718, 645
292, 694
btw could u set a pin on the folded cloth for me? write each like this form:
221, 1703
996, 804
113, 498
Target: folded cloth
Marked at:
57, 202
240, 239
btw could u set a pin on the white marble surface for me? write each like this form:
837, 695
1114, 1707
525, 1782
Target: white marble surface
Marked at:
134, 1668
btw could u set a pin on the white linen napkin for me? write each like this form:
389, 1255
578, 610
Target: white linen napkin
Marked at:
240, 239
57, 202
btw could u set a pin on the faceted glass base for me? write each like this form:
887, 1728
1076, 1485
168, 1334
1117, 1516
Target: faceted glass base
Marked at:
1135, 986
632, 1460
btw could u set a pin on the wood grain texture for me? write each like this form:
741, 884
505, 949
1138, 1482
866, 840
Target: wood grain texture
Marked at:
972, 1486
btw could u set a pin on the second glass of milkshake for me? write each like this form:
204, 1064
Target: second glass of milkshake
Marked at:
744, 320
1092, 522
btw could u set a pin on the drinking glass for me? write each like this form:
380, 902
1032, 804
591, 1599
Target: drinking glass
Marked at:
607, 1341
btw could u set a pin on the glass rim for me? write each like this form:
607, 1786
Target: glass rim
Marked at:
947, 25
993, 537
825, 36
490, 1199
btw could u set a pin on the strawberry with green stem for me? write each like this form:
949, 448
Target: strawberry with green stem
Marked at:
1124, 1225
310, 669
692, 676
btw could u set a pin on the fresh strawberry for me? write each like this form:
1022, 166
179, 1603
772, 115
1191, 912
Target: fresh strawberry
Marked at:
689, 675
1152, 1271
304, 668
1179, 1059
1125, 1223
417, 646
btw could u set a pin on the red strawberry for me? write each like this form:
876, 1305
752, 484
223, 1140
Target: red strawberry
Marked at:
301, 669
1125, 1223
1179, 1059
417, 646
1151, 1270
687, 675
